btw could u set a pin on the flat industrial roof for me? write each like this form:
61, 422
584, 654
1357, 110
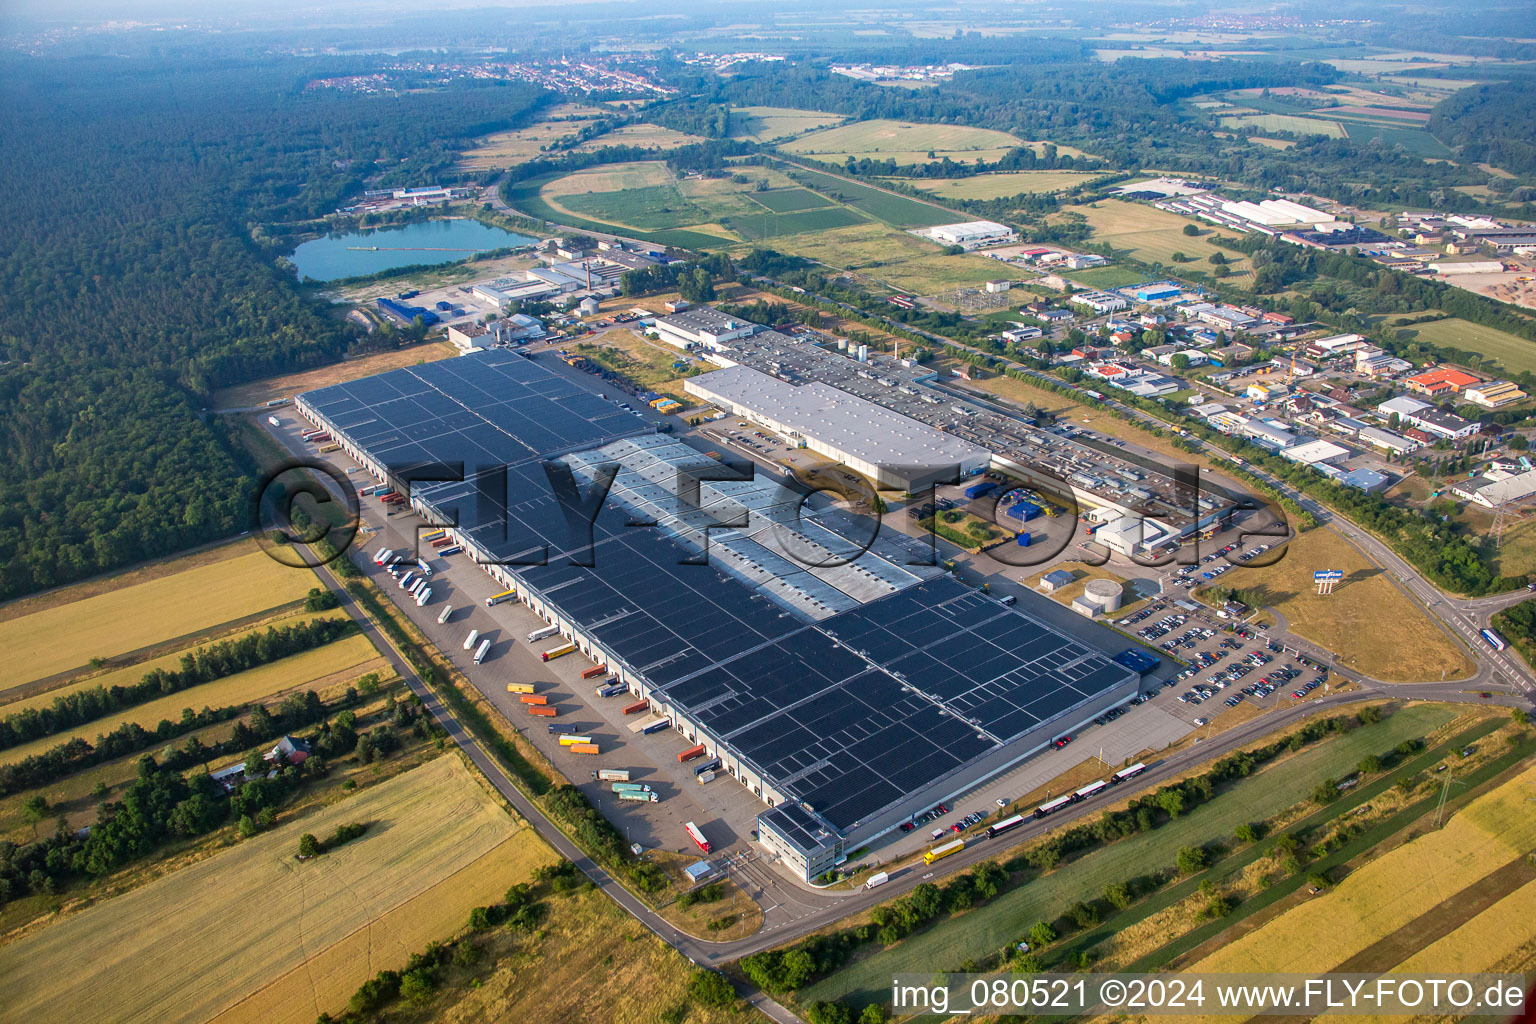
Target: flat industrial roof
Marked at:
848, 714
851, 424
491, 408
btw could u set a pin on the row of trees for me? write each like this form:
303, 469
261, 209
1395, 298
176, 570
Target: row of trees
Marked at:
225, 658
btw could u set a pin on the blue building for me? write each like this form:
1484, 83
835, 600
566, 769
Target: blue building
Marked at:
1157, 293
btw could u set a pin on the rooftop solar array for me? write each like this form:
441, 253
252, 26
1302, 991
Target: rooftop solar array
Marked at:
488, 408
849, 712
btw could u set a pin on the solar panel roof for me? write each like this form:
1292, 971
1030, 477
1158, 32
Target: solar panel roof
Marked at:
848, 714
488, 408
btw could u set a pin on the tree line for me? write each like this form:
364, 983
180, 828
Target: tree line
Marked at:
225, 658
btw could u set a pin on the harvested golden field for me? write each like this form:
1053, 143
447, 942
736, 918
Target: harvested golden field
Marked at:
323, 982
906, 143
1001, 186
506, 149
649, 136
130, 674
609, 178
764, 124
193, 944
353, 654
117, 622
260, 392
1387, 635
592, 961
1393, 891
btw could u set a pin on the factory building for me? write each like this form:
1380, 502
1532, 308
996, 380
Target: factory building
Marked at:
828, 687
974, 234
894, 450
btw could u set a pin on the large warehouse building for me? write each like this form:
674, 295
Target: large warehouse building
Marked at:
846, 688
893, 450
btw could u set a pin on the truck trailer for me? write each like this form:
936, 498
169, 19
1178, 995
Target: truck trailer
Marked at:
519, 687
637, 707
485, 645
584, 748
612, 774
646, 798
469, 641
691, 753
557, 652
542, 710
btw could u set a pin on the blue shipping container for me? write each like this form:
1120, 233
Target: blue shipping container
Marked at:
976, 490
1023, 540
656, 726
1024, 511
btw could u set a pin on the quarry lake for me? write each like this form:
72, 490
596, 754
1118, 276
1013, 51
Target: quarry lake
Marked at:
367, 252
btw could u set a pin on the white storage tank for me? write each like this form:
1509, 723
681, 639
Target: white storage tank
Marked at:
1107, 594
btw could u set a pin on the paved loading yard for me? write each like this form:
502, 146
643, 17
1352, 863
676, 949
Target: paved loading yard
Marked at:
724, 810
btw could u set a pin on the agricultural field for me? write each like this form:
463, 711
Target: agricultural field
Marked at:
508, 149
1104, 277
790, 200
127, 675
1386, 635
285, 385
1285, 123
903, 142
589, 961
1149, 234
764, 124
897, 210
1414, 141
983, 931
1403, 890
269, 938
1002, 185
895, 258
650, 208
1513, 353
646, 136
62, 634
311, 669
546, 196
776, 225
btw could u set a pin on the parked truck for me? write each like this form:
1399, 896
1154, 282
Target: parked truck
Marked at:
474, 635
542, 632
485, 645
877, 879
274, 421
638, 787
611, 774
505, 595
557, 652
423, 597
645, 798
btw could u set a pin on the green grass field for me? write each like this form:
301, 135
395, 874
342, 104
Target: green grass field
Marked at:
898, 211
790, 200
1006, 919
1285, 123
1000, 186
1105, 277
656, 208
1415, 141
525, 196
893, 257
776, 225
1152, 235
903, 142
764, 124
1513, 353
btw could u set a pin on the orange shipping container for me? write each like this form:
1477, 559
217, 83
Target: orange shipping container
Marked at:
531, 698
691, 753
583, 748
637, 707
594, 672
546, 710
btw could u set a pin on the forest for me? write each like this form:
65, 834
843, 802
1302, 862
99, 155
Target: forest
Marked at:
1493, 124
134, 284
